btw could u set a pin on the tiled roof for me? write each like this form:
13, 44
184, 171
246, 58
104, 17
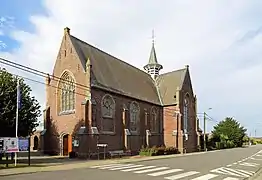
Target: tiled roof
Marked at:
120, 77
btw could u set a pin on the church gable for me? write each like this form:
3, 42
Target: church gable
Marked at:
187, 84
168, 84
67, 57
67, 67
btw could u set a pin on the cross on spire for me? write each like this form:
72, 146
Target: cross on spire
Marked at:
153, 36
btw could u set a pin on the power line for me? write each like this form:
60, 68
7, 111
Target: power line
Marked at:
38, 73
36, 81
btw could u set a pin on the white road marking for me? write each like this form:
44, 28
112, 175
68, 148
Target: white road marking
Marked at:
259, 155
259, 159
120, 165
183, 175
125, 167
249, 164
206, 177
229, 171
165, 172
230, 178
135, 169
105, 165
247, 172
150, 170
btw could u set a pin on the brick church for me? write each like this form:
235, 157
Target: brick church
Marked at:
95, 98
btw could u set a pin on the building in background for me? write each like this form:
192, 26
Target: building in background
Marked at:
111, 102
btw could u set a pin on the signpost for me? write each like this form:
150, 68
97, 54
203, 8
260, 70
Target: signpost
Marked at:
11, 145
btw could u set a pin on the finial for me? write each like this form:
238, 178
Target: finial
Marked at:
187, 66
88, 63
66, 30
153, 36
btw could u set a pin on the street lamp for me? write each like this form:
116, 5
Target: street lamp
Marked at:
205, 145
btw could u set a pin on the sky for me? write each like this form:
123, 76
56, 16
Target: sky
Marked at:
220, 40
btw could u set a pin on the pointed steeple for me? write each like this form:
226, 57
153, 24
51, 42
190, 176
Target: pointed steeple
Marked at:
153, 67
152, 57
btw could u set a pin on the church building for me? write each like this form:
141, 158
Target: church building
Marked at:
95, 98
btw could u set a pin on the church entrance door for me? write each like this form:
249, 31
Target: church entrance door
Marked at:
65, 145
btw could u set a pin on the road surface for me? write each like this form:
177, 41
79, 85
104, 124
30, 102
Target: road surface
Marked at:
230, 164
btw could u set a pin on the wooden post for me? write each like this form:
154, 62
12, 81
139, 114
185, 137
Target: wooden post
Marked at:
29, 150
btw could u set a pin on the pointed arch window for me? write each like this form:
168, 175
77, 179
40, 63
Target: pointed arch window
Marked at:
134, 117
186, 116
66, 93
154, 118
108, 113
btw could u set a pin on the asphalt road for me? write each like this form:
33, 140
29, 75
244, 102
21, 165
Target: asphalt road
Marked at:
230, 164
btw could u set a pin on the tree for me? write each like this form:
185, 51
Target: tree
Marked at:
29, 110
231, 129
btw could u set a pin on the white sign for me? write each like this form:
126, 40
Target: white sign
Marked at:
101, 145
11, 145
76, 143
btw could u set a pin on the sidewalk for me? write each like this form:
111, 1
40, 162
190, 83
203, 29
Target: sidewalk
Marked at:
85, 164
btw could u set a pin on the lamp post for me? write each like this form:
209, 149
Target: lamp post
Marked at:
205, 145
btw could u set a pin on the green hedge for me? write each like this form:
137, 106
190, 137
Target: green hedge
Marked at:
158, 151
225, 145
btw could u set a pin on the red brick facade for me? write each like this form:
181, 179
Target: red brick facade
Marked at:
61, 127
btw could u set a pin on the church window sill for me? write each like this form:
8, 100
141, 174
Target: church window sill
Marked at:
66, 112
108, 133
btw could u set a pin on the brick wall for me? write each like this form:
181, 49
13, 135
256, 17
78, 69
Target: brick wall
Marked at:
67, 60
115, 140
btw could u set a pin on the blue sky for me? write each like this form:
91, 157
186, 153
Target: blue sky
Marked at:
220, 40
15, 15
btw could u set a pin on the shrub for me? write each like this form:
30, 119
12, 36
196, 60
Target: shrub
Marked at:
230, 144
158, 151
171, 150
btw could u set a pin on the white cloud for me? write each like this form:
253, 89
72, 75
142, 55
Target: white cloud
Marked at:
2, 45
220, 40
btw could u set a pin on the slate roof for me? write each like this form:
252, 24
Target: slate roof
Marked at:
168, 84
120, 77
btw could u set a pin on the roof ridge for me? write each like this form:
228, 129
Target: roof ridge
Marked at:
122, 61
172, 71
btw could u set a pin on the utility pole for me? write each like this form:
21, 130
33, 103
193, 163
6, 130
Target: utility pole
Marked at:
17, 110
205, 145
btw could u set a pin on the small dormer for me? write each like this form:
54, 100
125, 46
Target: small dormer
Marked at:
153, 67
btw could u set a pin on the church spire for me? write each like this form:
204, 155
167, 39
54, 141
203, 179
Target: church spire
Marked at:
153, 67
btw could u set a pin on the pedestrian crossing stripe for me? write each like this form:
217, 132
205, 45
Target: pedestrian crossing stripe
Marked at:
125, 167
165, 172
150, 170
174, 174
233, 172
183, 175
206, 177
257, 159
139, 168
249, 164
106, 165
